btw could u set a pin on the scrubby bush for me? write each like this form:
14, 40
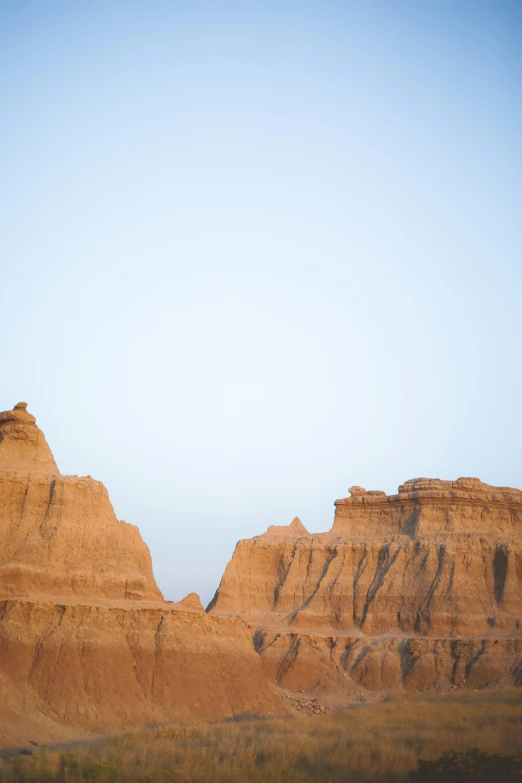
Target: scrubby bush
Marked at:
471, 767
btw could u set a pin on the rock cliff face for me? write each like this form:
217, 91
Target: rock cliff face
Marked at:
111, 667
22, 445
419, 590
86, 640
59, 534
437, 565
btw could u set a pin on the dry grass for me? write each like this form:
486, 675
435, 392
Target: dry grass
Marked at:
378, 742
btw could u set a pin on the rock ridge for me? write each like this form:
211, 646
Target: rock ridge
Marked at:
59, 535
429, 506
86, 640
22, 445
417, 590
404, 561
294, 529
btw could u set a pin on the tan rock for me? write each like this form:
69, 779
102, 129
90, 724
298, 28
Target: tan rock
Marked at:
86, 640
22, 445
294, 530
344, 664
441, 559
420, 590
191, 601
107, 668
59, 534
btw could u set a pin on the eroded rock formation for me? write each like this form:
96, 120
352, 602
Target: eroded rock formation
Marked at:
59, 535
422, 589
86, 640
192, 601
110, 667
429, 579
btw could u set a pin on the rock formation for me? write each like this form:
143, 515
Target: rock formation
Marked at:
295, 529
191, 601
86, 640
111, 666
23, 445
423, 587
418, 590
59, 534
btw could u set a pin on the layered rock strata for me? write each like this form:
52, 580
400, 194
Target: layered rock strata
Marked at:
86, 640
106, 668
59, 535
422, 589
349, 665
439, 564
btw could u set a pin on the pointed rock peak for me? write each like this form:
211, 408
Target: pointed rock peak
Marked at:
295, 529
192, 601
297, 526
23, 447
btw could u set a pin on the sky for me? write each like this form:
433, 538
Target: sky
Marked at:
253, 253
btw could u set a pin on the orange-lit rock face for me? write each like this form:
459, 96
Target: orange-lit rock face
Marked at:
347, 664
439, 558
431, 506
191, 601
421, 589
22, 445
102, 667
59, 534
86, 640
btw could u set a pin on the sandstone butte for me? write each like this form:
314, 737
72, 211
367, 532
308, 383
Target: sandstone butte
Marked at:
87, 643
419, 590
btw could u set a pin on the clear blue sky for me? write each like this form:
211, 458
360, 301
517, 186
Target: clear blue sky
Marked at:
253, 253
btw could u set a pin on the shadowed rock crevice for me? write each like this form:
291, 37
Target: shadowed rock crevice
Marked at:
500, 566
423, 614
330, 555
258, 640
384, 563
282, 573
213, 602
289, 659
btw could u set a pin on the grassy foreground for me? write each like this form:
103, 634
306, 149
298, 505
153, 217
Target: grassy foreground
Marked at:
378, 742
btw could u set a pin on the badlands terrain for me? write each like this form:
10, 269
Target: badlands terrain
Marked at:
418, 591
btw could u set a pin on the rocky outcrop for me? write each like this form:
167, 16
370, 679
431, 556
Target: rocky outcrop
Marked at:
439, 558
86, 640
295, 529
425, 507
419, 590
106, 668
59, 535
191, 601
22, 445
348, 665
440, 562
